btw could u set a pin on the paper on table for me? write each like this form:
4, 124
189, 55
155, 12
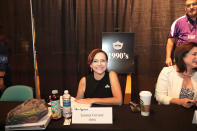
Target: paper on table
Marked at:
74, 104
195, 118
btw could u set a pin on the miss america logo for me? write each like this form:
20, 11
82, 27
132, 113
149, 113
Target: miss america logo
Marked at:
117, 45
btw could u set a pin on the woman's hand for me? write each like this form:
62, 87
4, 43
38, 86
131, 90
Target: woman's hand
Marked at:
185, 102
85, 101
195, 102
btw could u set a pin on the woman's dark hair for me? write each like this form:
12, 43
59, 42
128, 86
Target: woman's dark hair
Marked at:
180, 53
93, 53
3, 45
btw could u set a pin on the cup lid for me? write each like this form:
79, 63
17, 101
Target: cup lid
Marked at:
65, 91
145, 93
54, 91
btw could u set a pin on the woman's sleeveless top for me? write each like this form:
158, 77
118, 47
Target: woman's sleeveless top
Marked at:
98, 88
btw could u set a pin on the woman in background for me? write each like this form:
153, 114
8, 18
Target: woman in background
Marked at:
100, 87
5, 79
177, 84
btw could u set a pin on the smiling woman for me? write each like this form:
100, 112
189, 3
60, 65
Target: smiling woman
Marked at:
100, 87
177, 84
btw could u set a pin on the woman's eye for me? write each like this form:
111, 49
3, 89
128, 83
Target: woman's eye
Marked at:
96, 61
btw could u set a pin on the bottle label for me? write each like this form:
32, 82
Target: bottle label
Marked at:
66, 103
55, 108
67, 108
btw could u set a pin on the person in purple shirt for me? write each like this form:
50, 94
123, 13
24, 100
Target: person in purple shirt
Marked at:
183, 29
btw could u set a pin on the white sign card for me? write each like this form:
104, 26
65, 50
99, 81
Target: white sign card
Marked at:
195, 118
92, 115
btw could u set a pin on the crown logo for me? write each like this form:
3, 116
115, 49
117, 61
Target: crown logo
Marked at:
107, 86
117, 45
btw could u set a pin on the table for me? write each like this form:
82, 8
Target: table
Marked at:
162, 118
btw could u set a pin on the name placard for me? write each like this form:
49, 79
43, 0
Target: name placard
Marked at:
194, 121
92, 115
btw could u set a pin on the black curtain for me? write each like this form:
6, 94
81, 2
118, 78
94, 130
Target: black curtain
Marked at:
15, 24
67, 30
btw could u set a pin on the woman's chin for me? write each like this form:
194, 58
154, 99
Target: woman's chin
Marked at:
99, 72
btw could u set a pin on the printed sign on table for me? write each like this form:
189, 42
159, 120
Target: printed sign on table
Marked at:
92, 115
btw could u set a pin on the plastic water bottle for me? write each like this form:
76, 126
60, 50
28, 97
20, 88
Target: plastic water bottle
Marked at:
55, 105
66, 105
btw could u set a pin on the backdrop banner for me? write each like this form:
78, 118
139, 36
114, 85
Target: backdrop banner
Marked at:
120, 50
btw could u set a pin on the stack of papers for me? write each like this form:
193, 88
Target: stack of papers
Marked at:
74, 104
40, 125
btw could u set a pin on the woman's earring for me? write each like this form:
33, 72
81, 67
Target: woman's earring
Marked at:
91, 69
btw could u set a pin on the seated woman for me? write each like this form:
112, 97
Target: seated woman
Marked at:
178, 83
100, 87
5, 79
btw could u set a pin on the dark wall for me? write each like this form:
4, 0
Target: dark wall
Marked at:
15, 24
67, 30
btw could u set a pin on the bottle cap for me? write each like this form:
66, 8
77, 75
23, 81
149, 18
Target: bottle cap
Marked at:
54, 91
65, 91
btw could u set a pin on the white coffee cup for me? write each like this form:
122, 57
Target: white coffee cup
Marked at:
145, 101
